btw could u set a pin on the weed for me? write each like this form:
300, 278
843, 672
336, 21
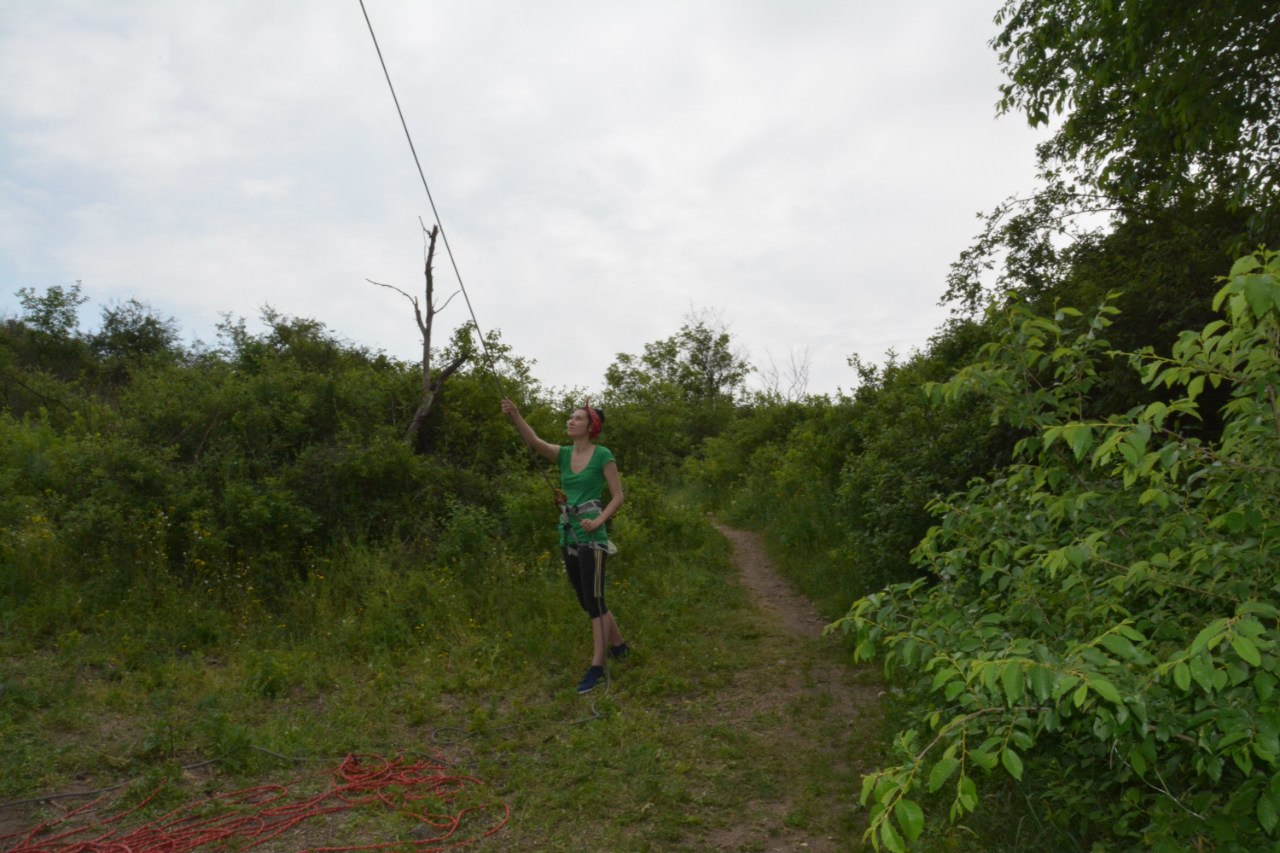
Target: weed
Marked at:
379, 654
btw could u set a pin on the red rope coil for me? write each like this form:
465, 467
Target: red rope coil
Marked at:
253, 816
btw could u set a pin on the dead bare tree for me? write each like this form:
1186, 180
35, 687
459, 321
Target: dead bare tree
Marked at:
425, 314
788, 383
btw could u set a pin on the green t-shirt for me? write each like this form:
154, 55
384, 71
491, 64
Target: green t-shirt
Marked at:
586, 485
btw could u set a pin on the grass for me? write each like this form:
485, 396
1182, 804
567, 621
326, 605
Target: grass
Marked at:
720, 732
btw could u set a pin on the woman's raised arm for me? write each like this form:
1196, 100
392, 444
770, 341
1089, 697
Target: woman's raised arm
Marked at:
541, 447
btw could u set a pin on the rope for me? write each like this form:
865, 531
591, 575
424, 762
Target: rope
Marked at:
431, 200
452, 261
244, 819
497, 382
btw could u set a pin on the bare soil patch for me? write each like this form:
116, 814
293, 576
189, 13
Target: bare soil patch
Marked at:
806, 682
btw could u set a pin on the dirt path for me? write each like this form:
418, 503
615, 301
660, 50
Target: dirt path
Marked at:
772, 594
830, 710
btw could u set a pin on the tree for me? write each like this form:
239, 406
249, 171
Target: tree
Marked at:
1164, 165
46, 336
696, 364
133, 332
56, 313
432, 382
1099, 621
681, 390
786, 383
1159, 99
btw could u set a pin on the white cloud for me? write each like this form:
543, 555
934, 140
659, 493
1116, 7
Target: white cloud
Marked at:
809, 168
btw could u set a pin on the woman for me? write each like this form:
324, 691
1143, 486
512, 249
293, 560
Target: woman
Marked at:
585, 469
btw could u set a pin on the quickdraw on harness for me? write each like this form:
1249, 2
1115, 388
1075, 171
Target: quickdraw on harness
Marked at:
569, 513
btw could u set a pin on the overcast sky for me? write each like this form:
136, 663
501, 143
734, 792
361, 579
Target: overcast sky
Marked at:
808, 169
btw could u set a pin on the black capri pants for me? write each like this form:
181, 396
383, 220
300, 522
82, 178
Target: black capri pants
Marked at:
585, 568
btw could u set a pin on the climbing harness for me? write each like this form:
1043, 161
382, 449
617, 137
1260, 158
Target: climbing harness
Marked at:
570, 512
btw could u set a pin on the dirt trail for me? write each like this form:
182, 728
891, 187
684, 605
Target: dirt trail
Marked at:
836, 726
771, 593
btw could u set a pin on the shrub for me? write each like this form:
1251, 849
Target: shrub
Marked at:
1099, 618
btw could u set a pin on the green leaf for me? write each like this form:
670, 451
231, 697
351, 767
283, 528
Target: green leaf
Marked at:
1247, 650
942, 676
1062, 683
988, 675
1105, 689
967, 793
868, 786
1267, 816
889, 837
1195, 387
1250, 628
985, 760
1261, 608
1011, 679
1156, 413
941, 772
1041, 682
1132, 455
1245, 264
910, 817
1257, 290
1202, 672
1079, 437
1209, 636
1103, 451
1119, 646
1012, 763
1158, 496
1182, 676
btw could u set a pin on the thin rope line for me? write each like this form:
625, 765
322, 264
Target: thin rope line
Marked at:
497, 382
467, 298
435, 214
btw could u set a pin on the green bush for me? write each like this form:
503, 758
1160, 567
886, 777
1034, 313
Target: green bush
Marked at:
841, 487
1098, 620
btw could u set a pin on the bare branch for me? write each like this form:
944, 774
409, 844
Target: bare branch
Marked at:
447, 301
413, 300
450, 370
425, 313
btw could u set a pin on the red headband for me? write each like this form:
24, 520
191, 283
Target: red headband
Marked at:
594, 417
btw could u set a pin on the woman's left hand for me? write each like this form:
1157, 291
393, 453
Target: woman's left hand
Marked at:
591, 525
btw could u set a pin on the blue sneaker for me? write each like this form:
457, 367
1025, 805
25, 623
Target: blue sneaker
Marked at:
591, 680
620, 651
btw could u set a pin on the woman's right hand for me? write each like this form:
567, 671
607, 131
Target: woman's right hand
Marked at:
527, 435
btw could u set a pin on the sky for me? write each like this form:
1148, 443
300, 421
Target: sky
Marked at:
803, 171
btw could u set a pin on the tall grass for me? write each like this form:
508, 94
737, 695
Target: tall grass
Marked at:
474, 652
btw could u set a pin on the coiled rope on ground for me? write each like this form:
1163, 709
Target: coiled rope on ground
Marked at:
421, 789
